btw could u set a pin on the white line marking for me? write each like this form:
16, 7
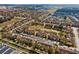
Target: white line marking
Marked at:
6, 50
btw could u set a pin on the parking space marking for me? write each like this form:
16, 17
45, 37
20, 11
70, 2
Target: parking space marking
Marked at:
6, 50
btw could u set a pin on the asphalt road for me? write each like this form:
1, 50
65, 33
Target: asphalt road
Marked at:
76, 36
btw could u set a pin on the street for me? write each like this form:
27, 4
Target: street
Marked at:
76, 36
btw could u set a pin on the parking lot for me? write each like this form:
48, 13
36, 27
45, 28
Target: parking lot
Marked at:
5, 49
